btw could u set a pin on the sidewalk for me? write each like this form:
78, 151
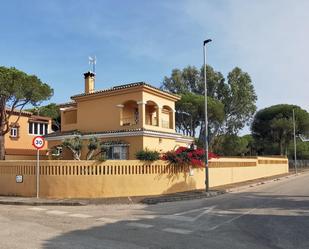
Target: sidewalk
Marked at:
189, 195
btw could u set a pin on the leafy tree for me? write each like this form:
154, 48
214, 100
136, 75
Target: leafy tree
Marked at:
302, 150
251, 145
231, 145
75, 145
191, 114
231, 105
96, 149
272, 128
51, 110
93, 145
239, 98
17, 90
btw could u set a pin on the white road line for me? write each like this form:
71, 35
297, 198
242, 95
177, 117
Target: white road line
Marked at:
176, 230
56, 212
177, 217
196, 210
80, 216
180, 217
230, 220
107, 220
37, 209
141, 225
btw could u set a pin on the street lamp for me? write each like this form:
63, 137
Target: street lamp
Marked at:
206, 119
294, 129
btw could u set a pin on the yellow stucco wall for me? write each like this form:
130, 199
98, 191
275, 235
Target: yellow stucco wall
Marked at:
90, 179
161, 144
24, 141
103, 112
100, 114
136, 143
21, 146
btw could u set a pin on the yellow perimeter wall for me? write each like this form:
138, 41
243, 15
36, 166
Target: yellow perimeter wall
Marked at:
86, 179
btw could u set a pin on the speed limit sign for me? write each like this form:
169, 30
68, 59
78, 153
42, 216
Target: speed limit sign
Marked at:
38, 142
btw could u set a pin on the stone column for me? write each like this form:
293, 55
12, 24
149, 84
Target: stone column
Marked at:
159, 111
141, 113
120, 107
172, 119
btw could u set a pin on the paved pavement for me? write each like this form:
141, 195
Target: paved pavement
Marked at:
274, 215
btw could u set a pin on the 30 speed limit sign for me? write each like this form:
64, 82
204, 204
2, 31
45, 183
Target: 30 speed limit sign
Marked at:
38, 142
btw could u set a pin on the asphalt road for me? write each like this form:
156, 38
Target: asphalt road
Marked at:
274, 215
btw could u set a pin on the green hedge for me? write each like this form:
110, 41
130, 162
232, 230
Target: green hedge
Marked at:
147, 155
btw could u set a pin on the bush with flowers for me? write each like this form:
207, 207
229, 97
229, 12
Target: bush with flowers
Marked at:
187, 156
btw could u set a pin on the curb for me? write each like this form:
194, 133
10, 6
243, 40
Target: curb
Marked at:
28, 203
236, 189
201, 195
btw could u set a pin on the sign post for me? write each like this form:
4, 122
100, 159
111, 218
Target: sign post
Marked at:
38, 143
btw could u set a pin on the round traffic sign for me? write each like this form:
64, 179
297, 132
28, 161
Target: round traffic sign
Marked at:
38, 142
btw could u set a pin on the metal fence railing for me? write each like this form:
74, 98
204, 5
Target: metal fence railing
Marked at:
301, 165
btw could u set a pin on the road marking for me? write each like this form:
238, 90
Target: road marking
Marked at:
107, 220
230, 220
180, 217
141, 225
196, 210
56, 212
177, 217
176, 230
80, 216
37, 209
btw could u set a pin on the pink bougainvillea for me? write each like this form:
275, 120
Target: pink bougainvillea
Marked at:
187, 156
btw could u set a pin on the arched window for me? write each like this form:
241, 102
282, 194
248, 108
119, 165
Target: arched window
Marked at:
129, 115
151, 113
167, 117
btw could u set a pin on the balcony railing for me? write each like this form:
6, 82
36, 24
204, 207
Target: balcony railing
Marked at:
129, 121
165, 124
153, 121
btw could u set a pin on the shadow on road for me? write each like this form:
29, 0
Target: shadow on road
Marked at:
243, 220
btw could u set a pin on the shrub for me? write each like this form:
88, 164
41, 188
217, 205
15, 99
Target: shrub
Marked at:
147, 155
187, 156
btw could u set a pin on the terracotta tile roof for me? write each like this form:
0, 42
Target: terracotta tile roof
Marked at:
67, 104
16, 112
125, 86
28, 114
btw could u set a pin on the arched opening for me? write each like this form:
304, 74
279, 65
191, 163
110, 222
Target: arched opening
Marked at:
167, 117
151, 112
129, 115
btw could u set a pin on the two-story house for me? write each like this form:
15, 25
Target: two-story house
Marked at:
128, 118
18, 142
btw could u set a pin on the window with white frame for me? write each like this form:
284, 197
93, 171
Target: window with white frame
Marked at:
14, 132
38, 128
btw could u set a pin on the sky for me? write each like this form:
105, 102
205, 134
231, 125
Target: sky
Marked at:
140, 40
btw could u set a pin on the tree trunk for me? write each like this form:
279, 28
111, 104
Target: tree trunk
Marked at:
2, 149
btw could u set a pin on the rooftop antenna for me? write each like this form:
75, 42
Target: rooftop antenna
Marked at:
92, 62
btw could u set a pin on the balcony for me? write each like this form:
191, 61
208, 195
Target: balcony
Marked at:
129, 121
141, 114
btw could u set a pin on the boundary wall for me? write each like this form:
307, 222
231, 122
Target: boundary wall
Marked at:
91, 179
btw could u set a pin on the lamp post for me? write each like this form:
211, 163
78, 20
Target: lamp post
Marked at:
294, 129
206, 119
